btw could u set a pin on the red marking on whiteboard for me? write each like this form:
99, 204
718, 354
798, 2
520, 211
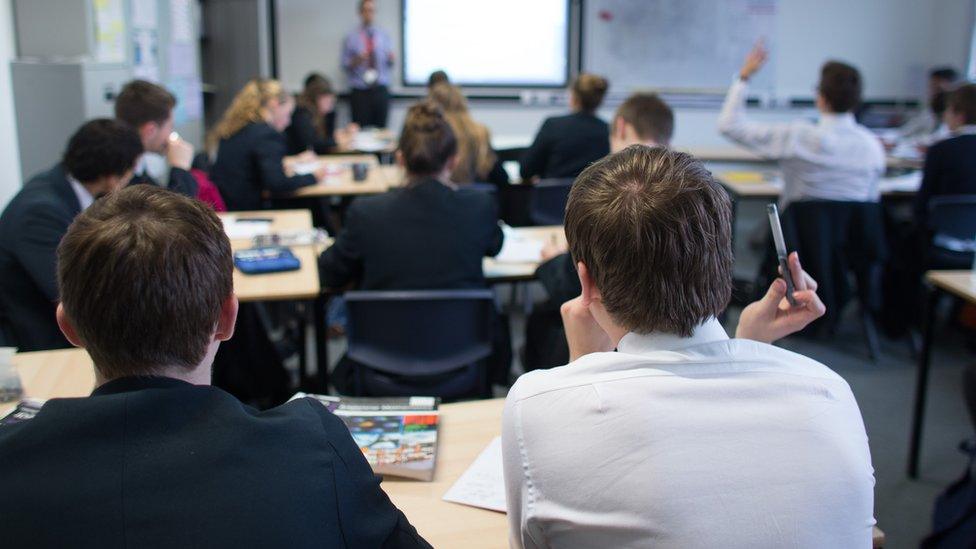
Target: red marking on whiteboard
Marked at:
605, 15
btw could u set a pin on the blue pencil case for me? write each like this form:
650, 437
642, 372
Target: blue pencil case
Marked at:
272, 259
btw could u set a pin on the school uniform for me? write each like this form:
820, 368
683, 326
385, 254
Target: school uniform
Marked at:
31, 227
426, 236
180, 180
685, 442
302, 135
565, 146
249, 168
950, 169
834, 158
158, 462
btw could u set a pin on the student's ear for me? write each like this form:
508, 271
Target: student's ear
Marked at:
67, 327
590, 292
619, 128
452, 163
147, 131
227, 319
398, 157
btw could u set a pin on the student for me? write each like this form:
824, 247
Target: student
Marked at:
475, 162
156, 457
681, 437
927, 123
950, 165
148, 108
367, 58
430, 234
251, 148
100, 157
950, 169
642, 119
833, 159
567, 144
312, 125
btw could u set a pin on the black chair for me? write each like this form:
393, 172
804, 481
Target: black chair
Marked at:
952, 221
837, 239
547, 201
426, 342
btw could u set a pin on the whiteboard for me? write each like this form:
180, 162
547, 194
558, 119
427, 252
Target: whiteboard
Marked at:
462, 37
696, 45
677, 45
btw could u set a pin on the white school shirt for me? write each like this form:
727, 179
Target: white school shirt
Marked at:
834, 158
687, 442
85, 198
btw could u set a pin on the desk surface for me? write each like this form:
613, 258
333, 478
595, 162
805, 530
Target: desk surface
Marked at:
771, 187
496, 271
466, 429
961, 284
379, 180
301, 284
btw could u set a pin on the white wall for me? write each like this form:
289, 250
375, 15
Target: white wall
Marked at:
10, 178
893, 42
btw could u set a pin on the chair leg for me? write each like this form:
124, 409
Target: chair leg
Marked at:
871, 335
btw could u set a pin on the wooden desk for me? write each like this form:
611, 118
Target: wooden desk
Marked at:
379, 180
771, 187
293, 285
466, 429
962, 285
496, 271
54, 374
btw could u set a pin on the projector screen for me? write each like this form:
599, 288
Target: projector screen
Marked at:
498, 43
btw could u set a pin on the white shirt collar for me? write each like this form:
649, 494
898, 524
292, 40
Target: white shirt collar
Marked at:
85, 198
709, 331
831, 119
968, 129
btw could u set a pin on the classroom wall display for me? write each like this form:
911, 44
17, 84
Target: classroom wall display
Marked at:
686, 45
698, 45
479, 43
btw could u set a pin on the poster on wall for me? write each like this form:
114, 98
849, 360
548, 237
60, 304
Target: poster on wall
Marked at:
109, 31
145, 55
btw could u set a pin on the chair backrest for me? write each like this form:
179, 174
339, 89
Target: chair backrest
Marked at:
547, 202
420, 333
952, 219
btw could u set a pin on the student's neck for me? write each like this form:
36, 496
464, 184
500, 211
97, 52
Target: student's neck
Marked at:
198, 376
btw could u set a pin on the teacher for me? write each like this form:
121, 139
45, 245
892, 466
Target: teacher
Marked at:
367, 57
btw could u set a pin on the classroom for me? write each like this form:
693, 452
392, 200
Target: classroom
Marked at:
484, 274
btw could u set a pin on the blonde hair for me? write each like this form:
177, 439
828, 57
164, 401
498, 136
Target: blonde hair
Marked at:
475, 158
249, 105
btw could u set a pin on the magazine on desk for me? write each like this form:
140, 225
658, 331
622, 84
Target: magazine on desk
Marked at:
25, 410
398, 435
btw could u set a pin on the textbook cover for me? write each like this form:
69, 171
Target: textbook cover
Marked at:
398, 435
27, 409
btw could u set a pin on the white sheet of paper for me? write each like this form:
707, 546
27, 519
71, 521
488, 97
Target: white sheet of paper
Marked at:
910, 182
237, 229
302, 168
519, 249
483, 484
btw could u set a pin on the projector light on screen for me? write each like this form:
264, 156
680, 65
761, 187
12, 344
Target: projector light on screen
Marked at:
522, 43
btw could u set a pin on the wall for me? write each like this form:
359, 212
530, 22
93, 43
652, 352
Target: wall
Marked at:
915, 34
10, 178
